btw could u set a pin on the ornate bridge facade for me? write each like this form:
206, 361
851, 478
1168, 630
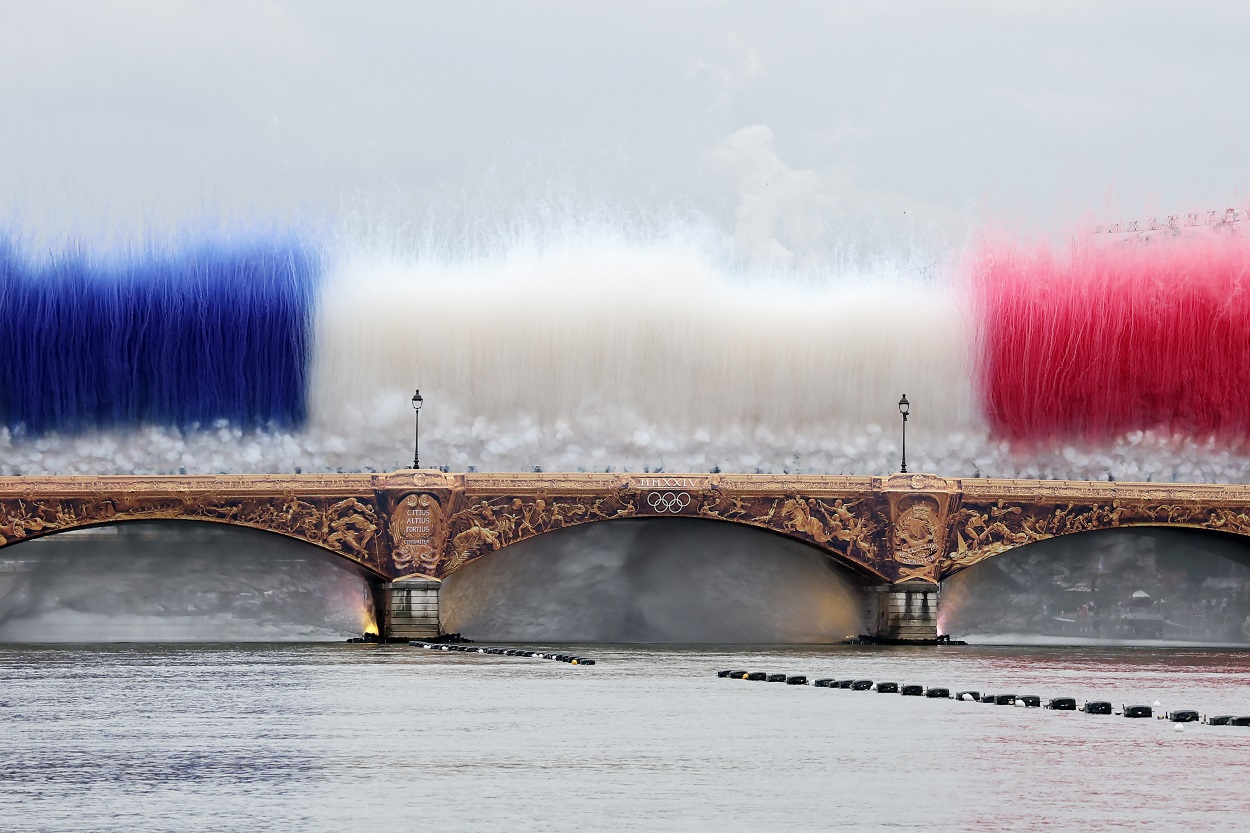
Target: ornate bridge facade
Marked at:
901, 534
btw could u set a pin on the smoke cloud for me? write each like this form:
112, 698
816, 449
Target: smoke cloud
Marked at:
171, 581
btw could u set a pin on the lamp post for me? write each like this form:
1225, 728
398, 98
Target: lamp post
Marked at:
904, 407
416, 437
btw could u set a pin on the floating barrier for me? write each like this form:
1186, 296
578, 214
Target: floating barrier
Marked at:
501, 652
1030, 701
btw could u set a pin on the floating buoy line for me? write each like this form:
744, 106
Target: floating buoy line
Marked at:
1034, 701
571, 659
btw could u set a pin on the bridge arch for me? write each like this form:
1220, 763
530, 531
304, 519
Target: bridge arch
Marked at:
655, 580
344, 526
845, 528
978, 531
175, 580
1130, 582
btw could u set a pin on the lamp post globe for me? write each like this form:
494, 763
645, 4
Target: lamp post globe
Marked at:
416, 439
904, 408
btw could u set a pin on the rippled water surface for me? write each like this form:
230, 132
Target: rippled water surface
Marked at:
361, 737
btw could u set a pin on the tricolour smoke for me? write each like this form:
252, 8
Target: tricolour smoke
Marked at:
596, 348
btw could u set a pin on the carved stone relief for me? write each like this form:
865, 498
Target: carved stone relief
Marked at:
346, 525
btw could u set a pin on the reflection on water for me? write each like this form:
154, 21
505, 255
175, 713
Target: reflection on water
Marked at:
1138, 586
655, 580
175, 580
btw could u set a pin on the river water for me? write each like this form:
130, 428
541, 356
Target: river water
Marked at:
337, 737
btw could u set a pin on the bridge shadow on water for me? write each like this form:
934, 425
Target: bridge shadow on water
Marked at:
657, 580
169, 581
1136, 585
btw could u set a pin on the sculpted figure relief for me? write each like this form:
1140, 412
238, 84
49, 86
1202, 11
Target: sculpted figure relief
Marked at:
346, 526
488, 524
846, 527
981, 531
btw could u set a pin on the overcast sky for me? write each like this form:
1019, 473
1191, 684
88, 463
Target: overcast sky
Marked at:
779, 120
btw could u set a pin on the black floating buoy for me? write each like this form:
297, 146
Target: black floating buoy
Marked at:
1138, 711
724, 673
1062, 704
1005, 699
1240, 721
757, 676
825, 683
796, 679
1219, 720
943, 693
912, 691
887, 688
846, 683
974, 696
1096, 707
861, 685
1183, 716
1031, 701
776, 678
989, 698
585, 661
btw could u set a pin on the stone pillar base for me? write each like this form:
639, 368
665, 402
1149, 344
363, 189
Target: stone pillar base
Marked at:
904, 612
412, 609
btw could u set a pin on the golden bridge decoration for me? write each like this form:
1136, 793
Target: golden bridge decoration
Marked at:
906, 527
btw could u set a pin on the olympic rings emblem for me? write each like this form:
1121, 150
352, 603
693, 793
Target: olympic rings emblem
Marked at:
672, 502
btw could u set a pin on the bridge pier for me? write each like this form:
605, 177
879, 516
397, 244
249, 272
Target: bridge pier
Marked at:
903, 612
411, 609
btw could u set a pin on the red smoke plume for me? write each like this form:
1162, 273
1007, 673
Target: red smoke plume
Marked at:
1103, 341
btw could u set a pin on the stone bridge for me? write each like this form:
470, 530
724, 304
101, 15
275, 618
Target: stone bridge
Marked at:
901, 534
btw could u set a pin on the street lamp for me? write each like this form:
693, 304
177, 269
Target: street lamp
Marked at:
904, 407
416, 437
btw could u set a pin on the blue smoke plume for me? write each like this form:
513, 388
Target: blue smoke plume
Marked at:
184, 338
